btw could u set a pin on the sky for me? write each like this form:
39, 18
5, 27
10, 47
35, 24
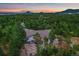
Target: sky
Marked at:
37, 7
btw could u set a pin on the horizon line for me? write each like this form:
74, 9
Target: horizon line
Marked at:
25, 10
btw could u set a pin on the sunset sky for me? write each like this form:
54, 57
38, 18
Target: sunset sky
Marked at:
37, 7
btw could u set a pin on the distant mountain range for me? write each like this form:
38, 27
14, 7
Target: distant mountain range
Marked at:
69, 11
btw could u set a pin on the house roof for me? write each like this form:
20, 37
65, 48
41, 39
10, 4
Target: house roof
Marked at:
43, 33
30, 32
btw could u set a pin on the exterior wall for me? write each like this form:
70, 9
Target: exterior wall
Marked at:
29, 49
63, 45
55, 43
75, 40
60, 44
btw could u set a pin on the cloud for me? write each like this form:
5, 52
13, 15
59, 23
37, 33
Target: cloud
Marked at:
11, 10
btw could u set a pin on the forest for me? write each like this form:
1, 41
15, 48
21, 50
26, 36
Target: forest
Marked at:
12, 35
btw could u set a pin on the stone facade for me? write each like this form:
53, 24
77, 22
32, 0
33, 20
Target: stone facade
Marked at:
29, 50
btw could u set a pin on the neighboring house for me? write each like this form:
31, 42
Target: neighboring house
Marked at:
55, 43
60, 44
75, 40
63, 45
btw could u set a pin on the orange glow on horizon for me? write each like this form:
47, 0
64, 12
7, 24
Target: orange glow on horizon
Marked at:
46, 10
24, 10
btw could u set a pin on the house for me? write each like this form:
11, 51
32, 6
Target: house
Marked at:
57, 43
30, 43
75, 40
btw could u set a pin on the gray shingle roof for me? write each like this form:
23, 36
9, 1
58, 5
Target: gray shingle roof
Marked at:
43, 33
